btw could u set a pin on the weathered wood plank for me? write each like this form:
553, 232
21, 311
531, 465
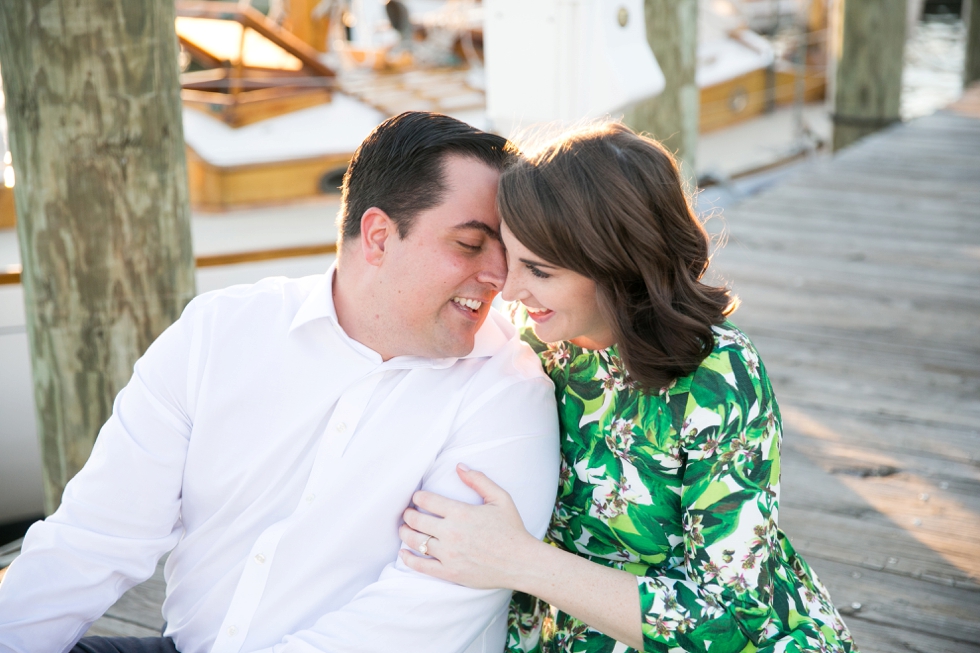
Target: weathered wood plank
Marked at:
871, 521
871, 216
860, 279
875, 638
137, 612
113, 627
944, 454
945, 613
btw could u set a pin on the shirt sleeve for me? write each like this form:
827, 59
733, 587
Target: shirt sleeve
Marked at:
117, 516
720, 597
512, 436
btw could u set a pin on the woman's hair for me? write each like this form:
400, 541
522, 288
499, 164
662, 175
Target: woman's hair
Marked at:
608, 204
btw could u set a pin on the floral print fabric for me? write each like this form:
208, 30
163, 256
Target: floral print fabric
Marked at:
680, 488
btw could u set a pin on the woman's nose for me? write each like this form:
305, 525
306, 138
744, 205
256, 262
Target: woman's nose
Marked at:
512, 290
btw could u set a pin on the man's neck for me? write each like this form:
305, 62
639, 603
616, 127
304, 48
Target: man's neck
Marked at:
357, 310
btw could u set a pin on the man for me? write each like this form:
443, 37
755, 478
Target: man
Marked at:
274, 434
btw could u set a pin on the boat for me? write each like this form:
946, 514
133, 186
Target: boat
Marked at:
742, 74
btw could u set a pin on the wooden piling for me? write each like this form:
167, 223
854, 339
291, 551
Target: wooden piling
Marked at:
672, 117
94, 118
971, 15
869, 53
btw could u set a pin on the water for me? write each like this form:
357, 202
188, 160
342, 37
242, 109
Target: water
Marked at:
932, 78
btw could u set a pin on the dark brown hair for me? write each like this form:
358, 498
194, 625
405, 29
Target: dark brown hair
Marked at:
609, 204
399, 167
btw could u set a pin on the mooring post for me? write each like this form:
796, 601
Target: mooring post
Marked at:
869, 51
971, 15
94, 119
672, 117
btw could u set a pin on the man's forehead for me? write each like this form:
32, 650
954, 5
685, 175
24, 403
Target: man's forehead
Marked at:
478, 225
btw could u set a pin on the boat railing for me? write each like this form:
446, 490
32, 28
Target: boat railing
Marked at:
12, 274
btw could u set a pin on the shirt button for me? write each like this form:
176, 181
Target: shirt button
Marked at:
310, 497
260, 558
341, 427
232, 630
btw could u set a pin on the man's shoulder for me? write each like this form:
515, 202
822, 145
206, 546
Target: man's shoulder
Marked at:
509, 356
271, 298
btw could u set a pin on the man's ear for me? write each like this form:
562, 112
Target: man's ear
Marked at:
376, 229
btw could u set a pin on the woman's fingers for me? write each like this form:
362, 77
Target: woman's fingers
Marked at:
414, 539
437, 504
423, 565
481, 483
428, 524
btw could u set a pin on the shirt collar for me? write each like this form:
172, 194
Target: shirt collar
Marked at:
319, 304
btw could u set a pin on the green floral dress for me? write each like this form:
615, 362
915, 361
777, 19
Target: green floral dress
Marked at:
680, 488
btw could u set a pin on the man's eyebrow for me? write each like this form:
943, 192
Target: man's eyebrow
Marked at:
481, 226
537, 264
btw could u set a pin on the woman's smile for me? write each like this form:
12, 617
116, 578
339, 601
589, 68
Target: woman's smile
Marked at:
539, 315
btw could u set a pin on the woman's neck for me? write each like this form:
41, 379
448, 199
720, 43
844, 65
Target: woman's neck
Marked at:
604, 341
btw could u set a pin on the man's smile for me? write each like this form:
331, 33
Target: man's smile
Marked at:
472, 304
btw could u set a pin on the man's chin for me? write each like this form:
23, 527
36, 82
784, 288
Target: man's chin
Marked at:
459, 346
458, 342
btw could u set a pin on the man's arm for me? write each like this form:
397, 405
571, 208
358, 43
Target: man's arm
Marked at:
513, 438
117, 516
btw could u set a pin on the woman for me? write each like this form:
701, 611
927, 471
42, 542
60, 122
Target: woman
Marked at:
664, 535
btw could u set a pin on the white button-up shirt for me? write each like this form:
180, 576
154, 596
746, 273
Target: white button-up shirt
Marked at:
275, 455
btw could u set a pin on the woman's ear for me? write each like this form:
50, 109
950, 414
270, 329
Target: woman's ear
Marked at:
376, 228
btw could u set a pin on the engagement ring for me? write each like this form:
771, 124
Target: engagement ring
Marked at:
424, 547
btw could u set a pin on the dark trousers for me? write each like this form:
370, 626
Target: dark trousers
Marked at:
125, 645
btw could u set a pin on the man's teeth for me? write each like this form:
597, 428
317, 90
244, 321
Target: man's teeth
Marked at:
472, 304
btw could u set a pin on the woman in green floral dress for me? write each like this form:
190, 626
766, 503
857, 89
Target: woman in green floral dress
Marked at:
664, 536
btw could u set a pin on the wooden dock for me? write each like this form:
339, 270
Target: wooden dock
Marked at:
860, 281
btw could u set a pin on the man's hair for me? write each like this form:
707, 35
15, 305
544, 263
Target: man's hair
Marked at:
399, 167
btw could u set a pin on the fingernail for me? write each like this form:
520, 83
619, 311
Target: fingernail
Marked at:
463, 467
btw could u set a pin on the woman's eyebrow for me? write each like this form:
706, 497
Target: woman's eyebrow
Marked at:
537, 264
479, 226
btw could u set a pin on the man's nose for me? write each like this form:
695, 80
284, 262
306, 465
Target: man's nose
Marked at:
494, 269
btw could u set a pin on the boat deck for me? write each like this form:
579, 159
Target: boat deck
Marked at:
860, 281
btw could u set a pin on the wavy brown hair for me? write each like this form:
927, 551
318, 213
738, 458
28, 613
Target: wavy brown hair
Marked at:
609, 204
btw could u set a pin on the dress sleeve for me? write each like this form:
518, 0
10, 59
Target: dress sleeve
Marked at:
719, 597
525, 623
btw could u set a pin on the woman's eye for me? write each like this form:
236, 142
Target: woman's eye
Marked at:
538, 273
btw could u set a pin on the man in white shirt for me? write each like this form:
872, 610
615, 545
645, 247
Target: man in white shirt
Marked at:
274, 434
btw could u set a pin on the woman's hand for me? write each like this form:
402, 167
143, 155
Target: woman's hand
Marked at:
487, 547
484, 547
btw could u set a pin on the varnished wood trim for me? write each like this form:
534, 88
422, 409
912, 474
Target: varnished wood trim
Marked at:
12, 277
265, 255
249, 17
